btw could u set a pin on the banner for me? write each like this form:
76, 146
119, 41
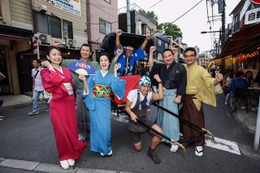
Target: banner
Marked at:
71, 6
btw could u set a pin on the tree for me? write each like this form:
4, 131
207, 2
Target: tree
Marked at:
170, 29
150, 14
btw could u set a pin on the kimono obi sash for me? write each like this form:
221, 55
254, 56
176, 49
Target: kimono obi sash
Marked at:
101, 91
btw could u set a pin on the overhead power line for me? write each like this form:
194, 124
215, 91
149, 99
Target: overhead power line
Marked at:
155, 4
187, 11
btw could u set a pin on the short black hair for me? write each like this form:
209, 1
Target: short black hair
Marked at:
104, 54
190, 49
165, 50
50, 48
87, 45
239, 74
38, 61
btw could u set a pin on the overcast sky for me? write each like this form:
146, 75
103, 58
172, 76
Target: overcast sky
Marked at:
192, 23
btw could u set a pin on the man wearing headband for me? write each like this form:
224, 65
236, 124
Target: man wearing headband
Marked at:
137, 104
130, 56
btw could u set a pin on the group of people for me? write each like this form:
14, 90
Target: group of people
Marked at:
188, 85
236, 83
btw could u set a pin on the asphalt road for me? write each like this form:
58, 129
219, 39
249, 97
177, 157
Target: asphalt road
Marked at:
29, 138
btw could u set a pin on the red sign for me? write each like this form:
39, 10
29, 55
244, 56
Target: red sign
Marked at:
35, 46
256, 1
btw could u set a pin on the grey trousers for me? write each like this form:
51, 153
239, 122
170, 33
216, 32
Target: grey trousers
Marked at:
82, 117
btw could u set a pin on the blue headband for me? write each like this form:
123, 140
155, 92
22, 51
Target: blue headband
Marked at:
144, 81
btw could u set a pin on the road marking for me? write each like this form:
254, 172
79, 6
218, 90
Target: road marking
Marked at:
222, 144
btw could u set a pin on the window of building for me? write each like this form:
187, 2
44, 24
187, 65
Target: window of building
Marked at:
41, 23
108, 1
54, 24
67, 30
47, 24
104, 26
236, 23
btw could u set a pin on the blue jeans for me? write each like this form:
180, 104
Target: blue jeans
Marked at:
36, 95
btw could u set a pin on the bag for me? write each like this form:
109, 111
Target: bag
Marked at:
36, 74
218, 89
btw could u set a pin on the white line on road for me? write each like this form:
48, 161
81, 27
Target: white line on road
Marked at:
223, 144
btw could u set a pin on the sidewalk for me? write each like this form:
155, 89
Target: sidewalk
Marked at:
16, 101
246, 119
22, 165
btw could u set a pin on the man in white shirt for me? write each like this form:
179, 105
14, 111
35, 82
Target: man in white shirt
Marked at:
136, 106
37, 86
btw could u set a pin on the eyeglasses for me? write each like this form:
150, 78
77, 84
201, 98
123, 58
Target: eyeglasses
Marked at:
189, 56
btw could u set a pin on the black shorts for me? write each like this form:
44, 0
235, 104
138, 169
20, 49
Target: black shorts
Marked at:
136, 136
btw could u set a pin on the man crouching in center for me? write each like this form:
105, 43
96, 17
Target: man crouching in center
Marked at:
137, 104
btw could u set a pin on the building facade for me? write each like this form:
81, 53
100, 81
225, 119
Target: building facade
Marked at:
102, 19
27, 27
242, 48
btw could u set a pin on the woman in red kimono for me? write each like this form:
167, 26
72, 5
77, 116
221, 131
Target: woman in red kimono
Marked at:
58, 81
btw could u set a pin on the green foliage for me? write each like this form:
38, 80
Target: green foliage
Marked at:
166, 28
152, 15
170, 29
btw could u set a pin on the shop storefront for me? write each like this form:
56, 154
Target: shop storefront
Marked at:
242, 49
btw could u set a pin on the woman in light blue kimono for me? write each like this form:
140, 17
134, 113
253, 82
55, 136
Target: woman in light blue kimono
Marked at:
96, 95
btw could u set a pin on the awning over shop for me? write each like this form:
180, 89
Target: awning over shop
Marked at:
243, 41
13, 37
12, 33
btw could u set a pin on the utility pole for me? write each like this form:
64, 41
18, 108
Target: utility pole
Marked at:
223, 19
128, 16
223, 37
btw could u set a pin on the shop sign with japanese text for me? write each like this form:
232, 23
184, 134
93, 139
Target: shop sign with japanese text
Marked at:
71, 6
252, 16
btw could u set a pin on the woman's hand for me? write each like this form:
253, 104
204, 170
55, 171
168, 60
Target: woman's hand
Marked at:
82, 77
46, 64
115, 69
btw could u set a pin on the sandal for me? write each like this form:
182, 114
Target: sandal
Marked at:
198, 151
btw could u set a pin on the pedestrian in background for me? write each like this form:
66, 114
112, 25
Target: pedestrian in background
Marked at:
96, 94
174, 81
82, 112
57, 80
37, 86
137, 104
199, 90
227, 88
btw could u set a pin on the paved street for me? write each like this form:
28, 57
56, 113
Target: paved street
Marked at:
27, 145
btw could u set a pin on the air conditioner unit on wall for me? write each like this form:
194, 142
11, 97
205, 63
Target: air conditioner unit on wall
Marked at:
43, 38
71, 43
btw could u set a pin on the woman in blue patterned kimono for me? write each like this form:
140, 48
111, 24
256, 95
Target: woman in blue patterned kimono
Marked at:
96, 95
